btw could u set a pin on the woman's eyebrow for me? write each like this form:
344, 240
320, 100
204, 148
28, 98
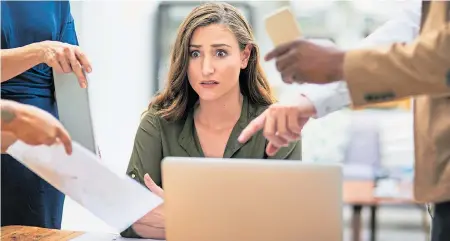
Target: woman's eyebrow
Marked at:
212, 45
220, 45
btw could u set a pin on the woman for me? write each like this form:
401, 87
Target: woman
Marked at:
37, 37
215, 88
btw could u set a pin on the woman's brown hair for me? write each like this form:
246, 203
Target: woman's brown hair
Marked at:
178, 96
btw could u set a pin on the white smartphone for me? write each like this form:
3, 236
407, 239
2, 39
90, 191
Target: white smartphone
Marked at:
282, 26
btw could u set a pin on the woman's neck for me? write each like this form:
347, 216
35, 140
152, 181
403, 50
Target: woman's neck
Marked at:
221, 113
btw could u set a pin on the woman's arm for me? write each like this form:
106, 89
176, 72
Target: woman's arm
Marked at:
62, 57
145, 158
18, 60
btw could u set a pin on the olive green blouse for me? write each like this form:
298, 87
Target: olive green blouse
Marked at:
157, 138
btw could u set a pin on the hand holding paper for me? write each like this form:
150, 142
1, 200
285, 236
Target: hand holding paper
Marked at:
152, 224
116, 199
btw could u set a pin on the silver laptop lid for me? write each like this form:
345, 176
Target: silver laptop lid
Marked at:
74, 110
251, 200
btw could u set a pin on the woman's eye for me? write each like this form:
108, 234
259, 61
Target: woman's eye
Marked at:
195, 54
221, 53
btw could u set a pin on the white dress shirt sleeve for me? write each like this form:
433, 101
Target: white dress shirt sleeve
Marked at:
403, 28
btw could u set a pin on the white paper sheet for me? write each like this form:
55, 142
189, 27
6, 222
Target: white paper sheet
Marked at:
107, 237
116, 199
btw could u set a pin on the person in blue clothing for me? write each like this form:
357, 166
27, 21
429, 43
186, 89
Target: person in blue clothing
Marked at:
37, 38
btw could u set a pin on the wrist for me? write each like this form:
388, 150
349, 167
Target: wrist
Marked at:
8, 115
307, 106
37, 52
8, 139
337, 66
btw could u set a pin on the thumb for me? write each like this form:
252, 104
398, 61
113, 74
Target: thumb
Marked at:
152, 186
271, 150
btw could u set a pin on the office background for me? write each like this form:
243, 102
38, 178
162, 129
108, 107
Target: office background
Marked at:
128, 43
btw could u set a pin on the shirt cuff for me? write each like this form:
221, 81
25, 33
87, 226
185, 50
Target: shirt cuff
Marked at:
327, 98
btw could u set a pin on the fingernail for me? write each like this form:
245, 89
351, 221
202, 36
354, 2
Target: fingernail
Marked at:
89, 69
83, 85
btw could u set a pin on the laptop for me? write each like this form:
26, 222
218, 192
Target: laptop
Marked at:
74, 110
251, 200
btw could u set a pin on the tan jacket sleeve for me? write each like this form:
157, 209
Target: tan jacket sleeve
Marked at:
400, 70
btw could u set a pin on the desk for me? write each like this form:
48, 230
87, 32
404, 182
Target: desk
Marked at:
19, 233
359, 194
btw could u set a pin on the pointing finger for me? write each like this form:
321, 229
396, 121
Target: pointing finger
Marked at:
254, 126
64, 137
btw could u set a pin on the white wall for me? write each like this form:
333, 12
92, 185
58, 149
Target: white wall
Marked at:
116, 35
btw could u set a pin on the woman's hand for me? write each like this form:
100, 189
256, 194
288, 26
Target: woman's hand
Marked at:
65, 58
152, 225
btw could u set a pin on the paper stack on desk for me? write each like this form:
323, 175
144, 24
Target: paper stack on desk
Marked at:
107, 237
116, 199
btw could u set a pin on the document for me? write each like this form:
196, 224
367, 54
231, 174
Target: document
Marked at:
107, 237
116, 199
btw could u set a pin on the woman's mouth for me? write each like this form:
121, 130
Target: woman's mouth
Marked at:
209, 82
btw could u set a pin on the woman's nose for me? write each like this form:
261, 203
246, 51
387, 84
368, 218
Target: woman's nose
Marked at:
207, 67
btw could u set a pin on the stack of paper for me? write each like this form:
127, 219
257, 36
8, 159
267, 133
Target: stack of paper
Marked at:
116, 199
107, 237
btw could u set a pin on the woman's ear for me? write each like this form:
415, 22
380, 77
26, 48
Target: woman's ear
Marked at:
245, 55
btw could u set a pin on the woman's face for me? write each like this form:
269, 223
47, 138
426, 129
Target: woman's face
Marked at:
215, 61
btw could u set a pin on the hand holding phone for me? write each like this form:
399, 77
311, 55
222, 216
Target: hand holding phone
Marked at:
282, 26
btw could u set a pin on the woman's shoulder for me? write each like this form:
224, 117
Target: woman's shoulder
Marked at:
150, 122
153, 117
149, 113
